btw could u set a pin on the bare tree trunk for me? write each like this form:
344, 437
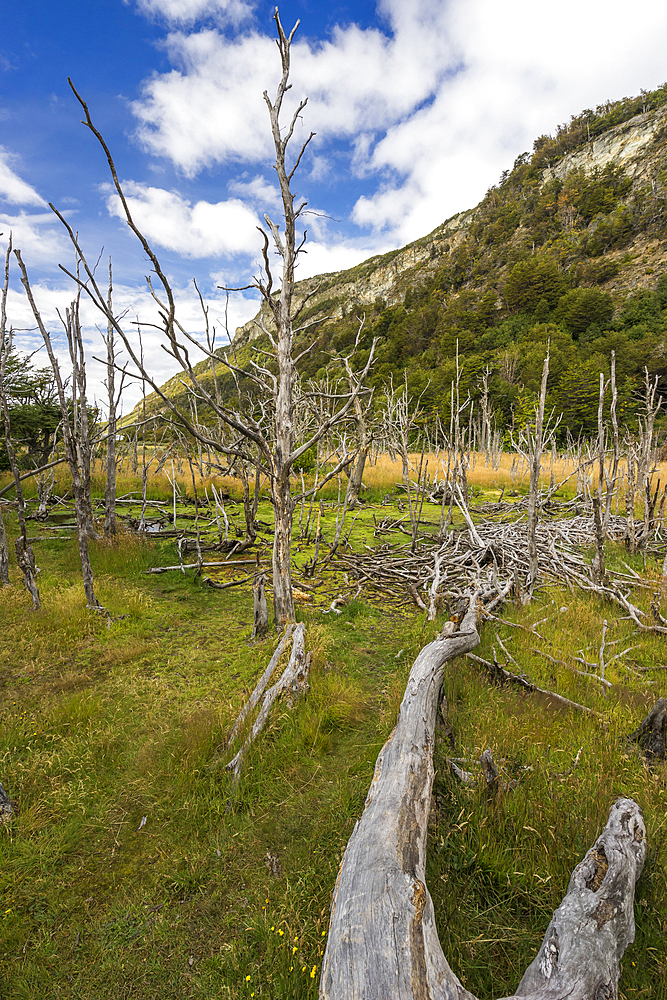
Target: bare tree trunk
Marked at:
260, 612
535, 468
283, 506
24, 554
631, 477
612, 480
110, 488
4, 553
363, 438
76, 439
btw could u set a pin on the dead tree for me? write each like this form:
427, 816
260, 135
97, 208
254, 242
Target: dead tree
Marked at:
612, 476
363, 427
4, 553
75, 426
531, 443
24, 553
401, 416
382, 939
278, 454
113, 401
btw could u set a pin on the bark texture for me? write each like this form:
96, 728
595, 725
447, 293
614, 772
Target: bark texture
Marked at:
4, 553
592, 927
260, 610
651, 735
383, 943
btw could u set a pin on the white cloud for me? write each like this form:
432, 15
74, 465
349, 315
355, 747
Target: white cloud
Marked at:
39, 240
322, 258
12, 188
200, 230
185, 12
136, 304
434, 107
258, 190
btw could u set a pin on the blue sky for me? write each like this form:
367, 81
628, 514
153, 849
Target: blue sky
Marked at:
418, 107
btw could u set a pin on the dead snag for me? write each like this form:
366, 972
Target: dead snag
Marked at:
25, 558
4, 553
382, 936
7, 807
651, 735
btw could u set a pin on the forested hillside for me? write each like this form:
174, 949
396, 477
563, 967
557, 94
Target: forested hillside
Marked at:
570, 247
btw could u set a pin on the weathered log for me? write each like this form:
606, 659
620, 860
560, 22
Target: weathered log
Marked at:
382, 938
585, 941
383, 943
260, 686
293, 682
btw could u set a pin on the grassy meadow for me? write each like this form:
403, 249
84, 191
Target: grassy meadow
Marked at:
137, 868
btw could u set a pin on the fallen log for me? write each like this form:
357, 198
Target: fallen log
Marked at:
293, 682
500, 672
382, 938
382, 941
261, 684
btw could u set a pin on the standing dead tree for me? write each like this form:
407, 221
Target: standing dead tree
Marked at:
277, 454
75, 425
530, 444
363, 427
24, 553
401, 418
113, 401
382, 939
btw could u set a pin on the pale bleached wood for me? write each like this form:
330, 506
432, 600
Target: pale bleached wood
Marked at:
382, 939
383, 943
292, 682
261, 684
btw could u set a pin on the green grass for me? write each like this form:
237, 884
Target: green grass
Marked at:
106, 720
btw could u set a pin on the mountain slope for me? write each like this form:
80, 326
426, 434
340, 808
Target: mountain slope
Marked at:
570, 247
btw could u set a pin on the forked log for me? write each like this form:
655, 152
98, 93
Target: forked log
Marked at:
383, 943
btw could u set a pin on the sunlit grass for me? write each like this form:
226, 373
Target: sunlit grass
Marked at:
105, 720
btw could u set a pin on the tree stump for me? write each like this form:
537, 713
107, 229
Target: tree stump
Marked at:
259, 609
652, 733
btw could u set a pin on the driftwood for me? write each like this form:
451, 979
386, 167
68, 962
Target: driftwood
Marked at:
382, 942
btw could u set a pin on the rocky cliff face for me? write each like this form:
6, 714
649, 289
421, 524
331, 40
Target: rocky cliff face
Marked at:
638, 147
632, 146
